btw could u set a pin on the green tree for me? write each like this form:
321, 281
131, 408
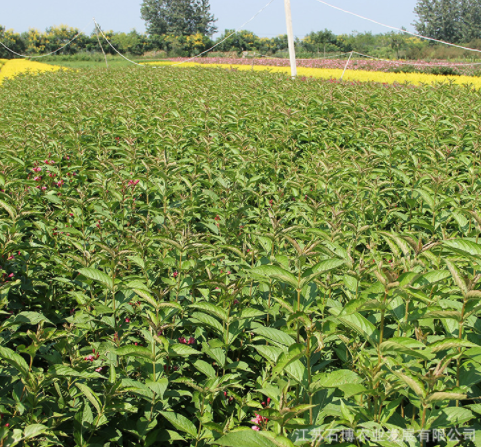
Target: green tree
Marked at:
178, 17
470, 20
439, 19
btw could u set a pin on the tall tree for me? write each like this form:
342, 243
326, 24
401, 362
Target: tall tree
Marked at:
178, 17
439, 19
471, 20
450, 20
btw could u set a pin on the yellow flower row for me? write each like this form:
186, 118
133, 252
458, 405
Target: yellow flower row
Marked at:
15, 67
350, 75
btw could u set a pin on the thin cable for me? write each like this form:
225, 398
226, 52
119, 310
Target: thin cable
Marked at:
192, 58
48, 54
230, 35
115, 49
397, 29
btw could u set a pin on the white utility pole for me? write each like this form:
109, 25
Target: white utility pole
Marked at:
290, 38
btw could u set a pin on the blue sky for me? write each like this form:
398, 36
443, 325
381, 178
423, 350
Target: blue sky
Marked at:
124, 15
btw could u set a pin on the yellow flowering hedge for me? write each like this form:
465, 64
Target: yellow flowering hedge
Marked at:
350, 75
15, 67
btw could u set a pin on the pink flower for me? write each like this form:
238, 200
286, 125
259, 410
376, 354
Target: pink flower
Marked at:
98, 369
60, 183
71, 214
191, 341
44, 188
37, 169
37, 178
10, 258
182, 340
256, 428
90, 358
127, 320
176, 274
11, 275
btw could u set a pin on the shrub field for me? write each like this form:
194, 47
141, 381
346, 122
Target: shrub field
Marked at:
209, 257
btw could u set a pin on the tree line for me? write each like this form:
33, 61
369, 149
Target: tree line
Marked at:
185, 28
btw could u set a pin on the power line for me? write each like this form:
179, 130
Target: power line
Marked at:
397, 29
230, 35
194, 57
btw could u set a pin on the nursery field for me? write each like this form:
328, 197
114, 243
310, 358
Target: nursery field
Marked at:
197, 257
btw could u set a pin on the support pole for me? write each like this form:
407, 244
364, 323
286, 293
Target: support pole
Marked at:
101, 47
290, 38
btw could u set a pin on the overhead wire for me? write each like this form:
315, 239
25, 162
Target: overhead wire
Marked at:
397, 29
196, 56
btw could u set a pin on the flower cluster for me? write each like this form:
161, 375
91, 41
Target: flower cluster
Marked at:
190, 341
258, 420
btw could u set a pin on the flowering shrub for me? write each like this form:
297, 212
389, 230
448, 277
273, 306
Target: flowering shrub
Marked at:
15, 67
400, 66
236, 259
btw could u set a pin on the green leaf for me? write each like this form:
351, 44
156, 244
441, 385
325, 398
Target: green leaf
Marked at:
440, 396
271, 353
205, 368
180, 422
67, 371
275, 272
147, 297
451, 416
319, 269
430, 278
362, 326
212, 309
274, 335
182, 350
295, 352
97, 275
34, 430
463, 246
450, 343
90, 395
208, 321
298, 372
8, 209
14, 359
158, 387
456, 274
245, 438
412, 382
398, 347
336, 379
28, 318
135, 351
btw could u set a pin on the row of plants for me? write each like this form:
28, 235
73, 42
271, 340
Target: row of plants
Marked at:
204, 257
